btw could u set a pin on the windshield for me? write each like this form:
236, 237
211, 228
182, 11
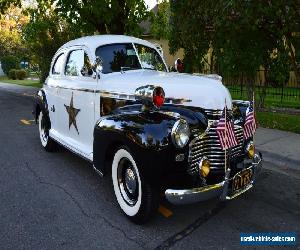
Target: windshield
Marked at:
118, 57
150, 58
123, 57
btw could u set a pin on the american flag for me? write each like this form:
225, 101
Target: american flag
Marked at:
250, 122
225, 132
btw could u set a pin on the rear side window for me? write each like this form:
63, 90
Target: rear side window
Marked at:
58, 65
78, 64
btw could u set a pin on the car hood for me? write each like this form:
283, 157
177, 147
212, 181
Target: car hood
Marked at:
197, 91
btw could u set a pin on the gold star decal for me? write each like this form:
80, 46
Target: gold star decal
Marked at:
73, 112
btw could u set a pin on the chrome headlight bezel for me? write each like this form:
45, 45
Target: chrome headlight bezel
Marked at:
250, 147
180, 133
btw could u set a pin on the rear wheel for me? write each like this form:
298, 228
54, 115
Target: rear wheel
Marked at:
137, 199
47, 143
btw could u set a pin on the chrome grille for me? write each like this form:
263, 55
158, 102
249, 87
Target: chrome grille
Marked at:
208, 145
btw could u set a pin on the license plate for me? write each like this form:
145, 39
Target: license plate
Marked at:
242, 179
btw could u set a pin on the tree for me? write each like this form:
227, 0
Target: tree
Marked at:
242, 34
11, 22
53, 22
112, 17
45, 33
160, 27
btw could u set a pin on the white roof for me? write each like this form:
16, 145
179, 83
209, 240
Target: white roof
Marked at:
93, 42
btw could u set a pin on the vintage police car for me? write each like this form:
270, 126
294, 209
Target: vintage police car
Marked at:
111, 100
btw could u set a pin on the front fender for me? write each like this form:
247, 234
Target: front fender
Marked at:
146, 134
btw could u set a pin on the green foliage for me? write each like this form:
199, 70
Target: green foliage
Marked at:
240, 34
44, 34
113, 17
21, 74
279, 121
278, 71
160, 27
8, 63
53, 23
11, 43
26, 82
12, 74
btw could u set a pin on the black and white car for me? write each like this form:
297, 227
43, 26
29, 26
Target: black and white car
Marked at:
111, 100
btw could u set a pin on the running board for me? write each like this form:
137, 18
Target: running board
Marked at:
98, 171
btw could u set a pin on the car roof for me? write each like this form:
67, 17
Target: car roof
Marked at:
93, 42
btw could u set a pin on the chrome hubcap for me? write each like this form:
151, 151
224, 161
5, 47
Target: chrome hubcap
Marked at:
128, 182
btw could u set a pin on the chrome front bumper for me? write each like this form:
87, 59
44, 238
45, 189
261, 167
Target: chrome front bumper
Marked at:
187, 196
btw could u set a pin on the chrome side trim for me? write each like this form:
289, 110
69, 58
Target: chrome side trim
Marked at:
120, 95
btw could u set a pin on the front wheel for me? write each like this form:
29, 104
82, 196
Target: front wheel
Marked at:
137, 199
47, 143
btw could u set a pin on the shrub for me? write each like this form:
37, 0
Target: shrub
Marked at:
12, 74
21, 74
8, 63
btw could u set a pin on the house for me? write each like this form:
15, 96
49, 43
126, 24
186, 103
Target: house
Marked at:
163, 43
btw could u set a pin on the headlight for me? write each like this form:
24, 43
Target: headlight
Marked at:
250, 150
180, 133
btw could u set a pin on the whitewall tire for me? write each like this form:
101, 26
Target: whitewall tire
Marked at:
137, 199
47, 143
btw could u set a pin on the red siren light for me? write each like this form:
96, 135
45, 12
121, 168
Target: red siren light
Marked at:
158, 97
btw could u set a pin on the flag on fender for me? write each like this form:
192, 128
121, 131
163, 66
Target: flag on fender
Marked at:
250, 122
225, 132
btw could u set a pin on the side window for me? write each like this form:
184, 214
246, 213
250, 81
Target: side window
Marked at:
117, 57
58, 65
78, 64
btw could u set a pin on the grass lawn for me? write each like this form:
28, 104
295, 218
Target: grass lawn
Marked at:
279, 121
32, 83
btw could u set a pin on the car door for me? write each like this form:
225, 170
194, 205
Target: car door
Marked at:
76, 104
50, 87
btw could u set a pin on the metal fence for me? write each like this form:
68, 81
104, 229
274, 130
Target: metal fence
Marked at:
280, 95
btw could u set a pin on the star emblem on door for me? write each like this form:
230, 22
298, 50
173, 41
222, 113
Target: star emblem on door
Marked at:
73, 112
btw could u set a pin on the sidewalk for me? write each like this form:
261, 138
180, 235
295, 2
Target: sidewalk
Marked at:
279, 147
19, 89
